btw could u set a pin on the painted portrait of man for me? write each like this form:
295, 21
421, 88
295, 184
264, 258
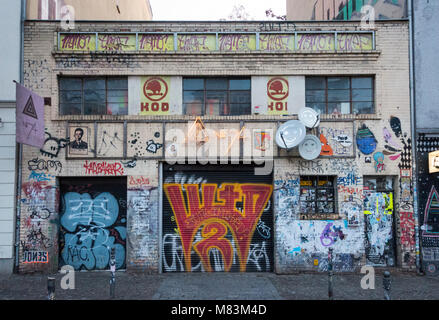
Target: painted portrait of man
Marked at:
79, 141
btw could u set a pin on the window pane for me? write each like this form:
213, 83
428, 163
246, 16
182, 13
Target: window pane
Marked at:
117, 96
117, 83
362, 95
315, 83
363, 107
217, 96
70, 84
70, 97
193, 84
240, 97
239, 109
338, 83
339, 108
319, 107
193, 97
95, 108
94, 84
240, 84
307, 207
315, 96
325, 207
216, 84
193, 109
94, 96
338, 95
70, 109
362, 83
117, 108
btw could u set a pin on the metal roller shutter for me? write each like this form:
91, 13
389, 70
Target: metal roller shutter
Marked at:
217, 218
93, 218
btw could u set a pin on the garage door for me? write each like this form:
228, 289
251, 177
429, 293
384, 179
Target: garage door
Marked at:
93, 221
217, 218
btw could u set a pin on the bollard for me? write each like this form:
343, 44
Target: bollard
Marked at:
113, 273
330, 274
50, 288
386, 285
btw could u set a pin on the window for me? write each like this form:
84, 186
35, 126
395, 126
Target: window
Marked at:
317, 196
340, 95
90, 95
216, 96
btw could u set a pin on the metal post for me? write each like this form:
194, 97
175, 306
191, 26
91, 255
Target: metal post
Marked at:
386, 285
113, 272
50, 288
330, 274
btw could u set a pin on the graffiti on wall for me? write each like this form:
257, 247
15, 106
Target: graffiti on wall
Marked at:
378, 216
91, 227
217, 226
366, 140
336, 141
52, 146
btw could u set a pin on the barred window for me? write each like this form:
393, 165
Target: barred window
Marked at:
216, 96
93, 95
340, 95
318, 196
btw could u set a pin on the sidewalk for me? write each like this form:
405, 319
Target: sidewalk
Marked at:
218, 286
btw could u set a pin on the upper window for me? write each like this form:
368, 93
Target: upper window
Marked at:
340, 95
91, 95
216, 96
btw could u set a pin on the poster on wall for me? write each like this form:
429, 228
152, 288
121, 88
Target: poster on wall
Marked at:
79, 142
433, 162
277, 95
154, 95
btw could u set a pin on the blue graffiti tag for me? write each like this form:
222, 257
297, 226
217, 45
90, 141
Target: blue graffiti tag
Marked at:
89, 238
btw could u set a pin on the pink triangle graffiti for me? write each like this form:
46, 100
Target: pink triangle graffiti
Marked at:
431, 214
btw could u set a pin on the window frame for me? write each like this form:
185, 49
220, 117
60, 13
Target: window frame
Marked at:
107, 102
316, 215
227, 91
351, 102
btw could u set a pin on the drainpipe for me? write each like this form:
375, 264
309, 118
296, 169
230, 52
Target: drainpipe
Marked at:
19, 146
413, 133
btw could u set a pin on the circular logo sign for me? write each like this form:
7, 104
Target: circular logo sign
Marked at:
155, 89
278, 89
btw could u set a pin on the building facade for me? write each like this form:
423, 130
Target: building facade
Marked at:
427, 129
10, 64
121, 10
162, 143
323, 10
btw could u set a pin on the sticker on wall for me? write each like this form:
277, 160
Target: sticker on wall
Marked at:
277, 94
379, 161
154, 97
326, 148
433, 162
366, 141
262, 140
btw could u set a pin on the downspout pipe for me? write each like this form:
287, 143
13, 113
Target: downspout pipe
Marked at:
19, 146
413, 134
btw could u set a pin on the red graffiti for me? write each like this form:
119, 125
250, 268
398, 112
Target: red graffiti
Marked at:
113, 42
138, 181
217, 217
75, 41
234, 42
104, 168
154, 42
407, 229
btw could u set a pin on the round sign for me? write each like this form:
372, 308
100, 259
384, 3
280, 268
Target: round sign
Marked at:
290, 134
155, 89
278, 89
309, 117
310, 147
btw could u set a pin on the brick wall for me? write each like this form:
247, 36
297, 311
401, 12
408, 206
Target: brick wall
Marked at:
44, 63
